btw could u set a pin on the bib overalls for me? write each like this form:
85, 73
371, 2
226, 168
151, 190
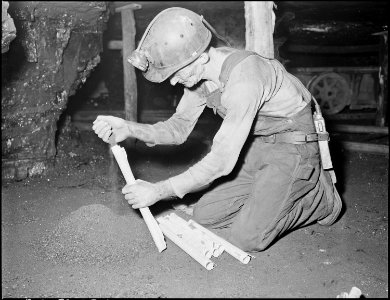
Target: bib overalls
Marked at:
277, 185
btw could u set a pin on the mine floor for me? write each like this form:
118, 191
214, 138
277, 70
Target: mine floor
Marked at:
70, 233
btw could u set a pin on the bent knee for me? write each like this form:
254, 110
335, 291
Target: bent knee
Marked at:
201, 216
249, 242
210, 218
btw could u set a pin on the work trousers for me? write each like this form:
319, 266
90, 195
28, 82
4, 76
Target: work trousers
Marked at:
273, 189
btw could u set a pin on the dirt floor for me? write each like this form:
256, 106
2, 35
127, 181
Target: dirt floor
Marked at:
70, 233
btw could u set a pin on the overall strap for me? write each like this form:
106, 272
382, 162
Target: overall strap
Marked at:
231, 61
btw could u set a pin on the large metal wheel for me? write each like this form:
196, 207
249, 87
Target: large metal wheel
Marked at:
331, 91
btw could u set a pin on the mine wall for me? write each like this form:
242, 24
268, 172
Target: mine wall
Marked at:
56, 47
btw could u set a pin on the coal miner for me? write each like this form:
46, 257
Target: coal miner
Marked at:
263, 175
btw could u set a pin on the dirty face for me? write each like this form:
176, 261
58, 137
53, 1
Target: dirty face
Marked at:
189, 75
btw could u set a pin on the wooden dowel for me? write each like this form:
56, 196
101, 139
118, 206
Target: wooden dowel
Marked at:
121, 158
229, 248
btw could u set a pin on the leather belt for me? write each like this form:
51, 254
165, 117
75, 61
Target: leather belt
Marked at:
294, 137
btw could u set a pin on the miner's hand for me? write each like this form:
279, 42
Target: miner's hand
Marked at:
141, 193
104, 126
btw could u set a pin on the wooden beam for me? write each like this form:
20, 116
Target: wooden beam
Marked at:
358, 129
381, 117
128, 46
259, 25
352, 116
332, 49
365, 147
367, 69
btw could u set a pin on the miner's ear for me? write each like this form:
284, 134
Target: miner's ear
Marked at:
204, 58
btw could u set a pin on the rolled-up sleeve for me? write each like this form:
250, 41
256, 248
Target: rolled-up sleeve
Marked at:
243, 96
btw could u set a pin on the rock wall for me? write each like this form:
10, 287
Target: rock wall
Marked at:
57, 46
8, 30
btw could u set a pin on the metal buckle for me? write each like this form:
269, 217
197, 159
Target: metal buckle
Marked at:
311, 137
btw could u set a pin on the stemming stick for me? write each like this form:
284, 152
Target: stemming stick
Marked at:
121, 158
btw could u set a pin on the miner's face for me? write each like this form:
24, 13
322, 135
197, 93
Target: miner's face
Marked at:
189, 75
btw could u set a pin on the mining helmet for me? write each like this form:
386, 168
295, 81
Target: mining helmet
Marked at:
174, 38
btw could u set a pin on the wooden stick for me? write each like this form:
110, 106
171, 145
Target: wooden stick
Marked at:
188, 236
121, 158
194, 253
215, 248
229, 248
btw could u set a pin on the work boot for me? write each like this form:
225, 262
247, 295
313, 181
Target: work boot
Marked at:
336, 203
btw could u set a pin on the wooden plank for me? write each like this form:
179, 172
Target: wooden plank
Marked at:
352, 116
259, 27
364, 147
332, 49
368, 69
130, 80
358, 128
